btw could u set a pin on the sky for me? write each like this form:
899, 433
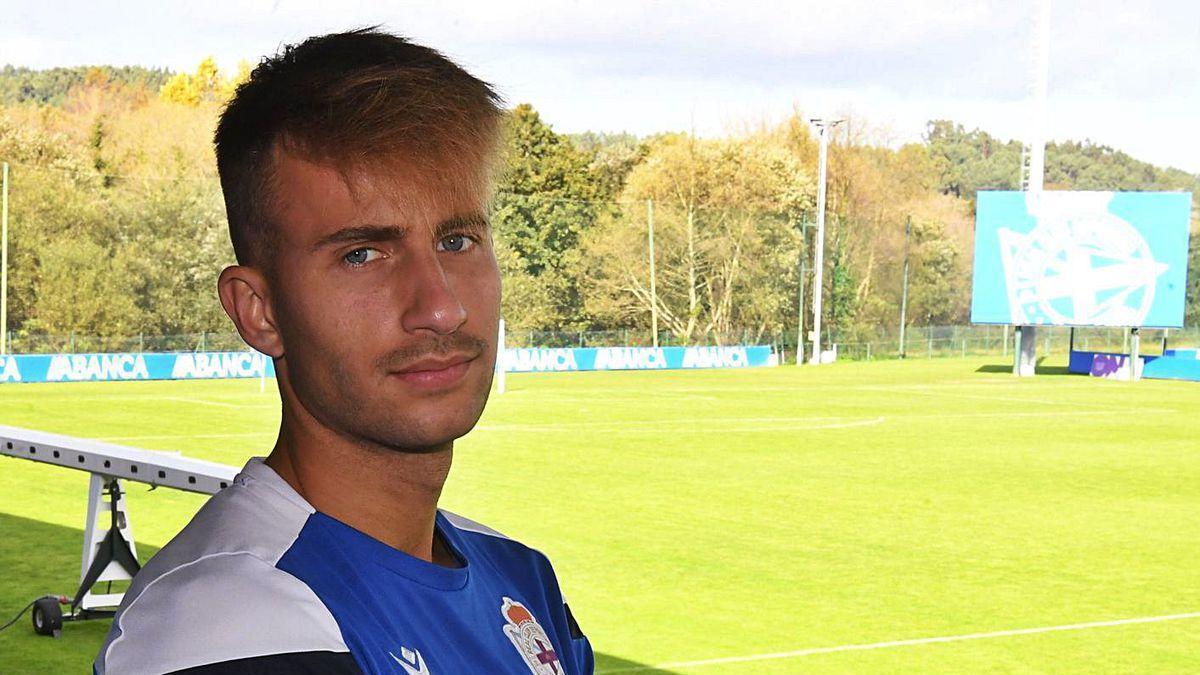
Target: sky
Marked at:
1123, 74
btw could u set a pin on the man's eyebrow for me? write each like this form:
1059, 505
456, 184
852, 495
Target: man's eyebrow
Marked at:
361, 233
472, 222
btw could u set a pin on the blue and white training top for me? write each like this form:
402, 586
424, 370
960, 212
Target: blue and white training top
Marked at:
260, 582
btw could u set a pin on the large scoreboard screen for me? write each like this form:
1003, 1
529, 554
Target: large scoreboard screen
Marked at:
1081, 258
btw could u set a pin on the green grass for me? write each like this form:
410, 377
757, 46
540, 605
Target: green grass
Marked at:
703, 515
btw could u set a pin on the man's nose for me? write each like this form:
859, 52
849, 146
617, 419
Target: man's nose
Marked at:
433, 304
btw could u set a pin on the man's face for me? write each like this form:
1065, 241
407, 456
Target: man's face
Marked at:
387, 307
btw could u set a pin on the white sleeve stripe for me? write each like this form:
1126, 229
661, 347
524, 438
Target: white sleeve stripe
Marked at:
125, 610
327, 637
469, 525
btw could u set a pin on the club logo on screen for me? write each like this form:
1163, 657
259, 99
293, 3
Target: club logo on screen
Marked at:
1081, 264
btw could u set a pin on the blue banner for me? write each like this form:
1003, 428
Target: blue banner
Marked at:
537, 360
133, 366
220, 365
1081, 258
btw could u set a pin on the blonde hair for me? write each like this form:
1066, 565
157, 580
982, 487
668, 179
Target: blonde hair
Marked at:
361, 101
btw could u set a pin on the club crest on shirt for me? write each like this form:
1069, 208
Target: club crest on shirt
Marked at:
529, 639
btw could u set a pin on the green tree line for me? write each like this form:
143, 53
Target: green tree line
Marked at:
117, 225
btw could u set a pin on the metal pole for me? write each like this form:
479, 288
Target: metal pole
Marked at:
500, 366
904, 292
4, 265
653, 286
1025, 352
800, 293
1135, 356
823, 127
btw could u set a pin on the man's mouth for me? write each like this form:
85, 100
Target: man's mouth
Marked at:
435, 372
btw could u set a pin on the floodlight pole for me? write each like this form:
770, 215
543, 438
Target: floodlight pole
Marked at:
1034, 173
653, 286
803, 260
4, 263
904, 288
823, 127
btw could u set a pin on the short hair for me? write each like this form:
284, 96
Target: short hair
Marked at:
359, 100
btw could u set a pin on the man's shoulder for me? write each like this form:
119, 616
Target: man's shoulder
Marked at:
257, 515
222, 607
213, 594
530, 567
508, 558
482, 536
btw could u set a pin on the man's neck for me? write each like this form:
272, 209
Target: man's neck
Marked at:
389, 495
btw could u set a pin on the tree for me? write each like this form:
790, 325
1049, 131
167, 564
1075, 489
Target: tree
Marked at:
51, 86
937, 289
611, 158
121, 182
80, 285
206, 84
546, 200
1192, 316
725, 216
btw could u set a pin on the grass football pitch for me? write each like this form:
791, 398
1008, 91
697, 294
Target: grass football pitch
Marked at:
819, 520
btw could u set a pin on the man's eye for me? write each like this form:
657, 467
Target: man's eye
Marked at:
455, 243
361, 256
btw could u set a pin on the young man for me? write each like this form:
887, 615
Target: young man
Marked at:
356, 172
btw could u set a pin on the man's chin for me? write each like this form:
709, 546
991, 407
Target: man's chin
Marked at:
420, 436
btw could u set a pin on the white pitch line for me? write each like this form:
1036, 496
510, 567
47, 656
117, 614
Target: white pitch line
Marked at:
705, 425
768, 424
201, 401
922, 391
677, 427
907, 643
248, 434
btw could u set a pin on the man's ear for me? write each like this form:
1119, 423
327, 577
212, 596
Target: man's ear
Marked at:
245, 295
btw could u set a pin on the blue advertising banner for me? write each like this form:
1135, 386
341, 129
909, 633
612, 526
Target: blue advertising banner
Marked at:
139, 366
535, 360
1081, 258
214, 365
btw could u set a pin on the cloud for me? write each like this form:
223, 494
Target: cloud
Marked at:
1125, 74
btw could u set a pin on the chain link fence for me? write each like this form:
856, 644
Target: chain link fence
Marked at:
79, 343
919, 341
964, 341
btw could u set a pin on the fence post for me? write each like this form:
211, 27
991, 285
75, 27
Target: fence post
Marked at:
72, 350
930, 333
868, 351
